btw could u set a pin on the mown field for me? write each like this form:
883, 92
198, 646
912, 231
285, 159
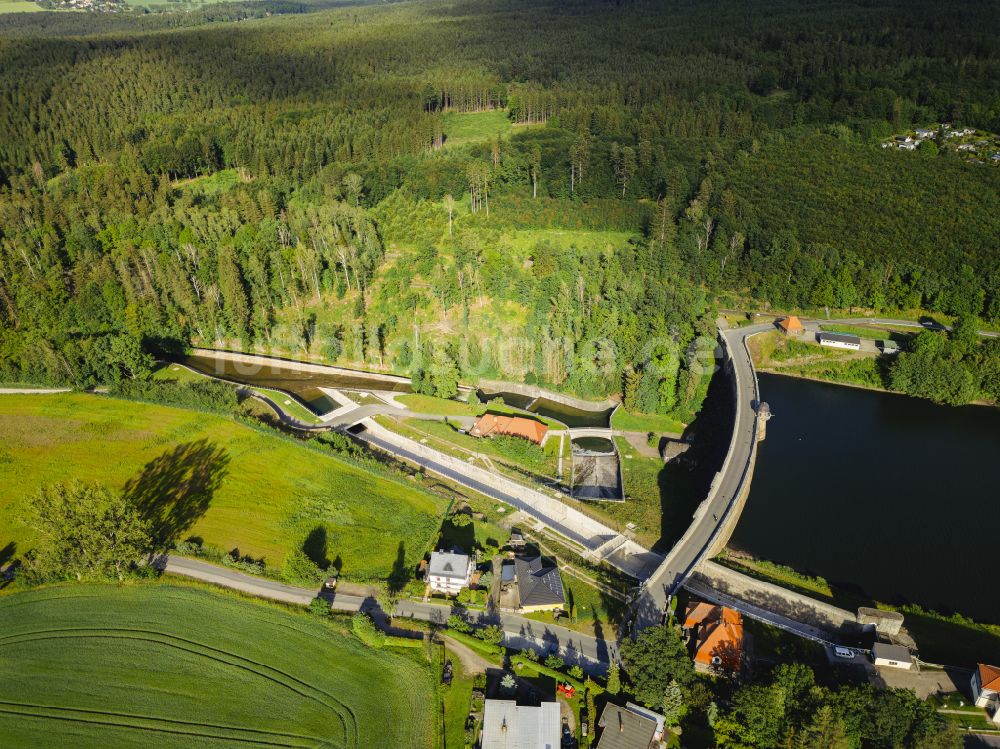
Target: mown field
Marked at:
172, 666
247, 489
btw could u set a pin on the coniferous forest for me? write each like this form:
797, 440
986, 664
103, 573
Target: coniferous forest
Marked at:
532, 191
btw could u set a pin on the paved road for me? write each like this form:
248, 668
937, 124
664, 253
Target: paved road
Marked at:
591, 653
593, 538
714, 514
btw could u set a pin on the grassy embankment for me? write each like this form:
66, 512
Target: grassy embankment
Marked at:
250, 490
625, 421
952, 640
774, 352
175, 666
288, 403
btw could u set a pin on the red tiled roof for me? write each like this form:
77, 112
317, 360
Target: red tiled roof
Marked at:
989, 677
514, 426
791, 324
719, 634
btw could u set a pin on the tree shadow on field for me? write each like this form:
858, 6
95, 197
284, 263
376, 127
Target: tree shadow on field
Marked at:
400, 574
175, 489
314, 547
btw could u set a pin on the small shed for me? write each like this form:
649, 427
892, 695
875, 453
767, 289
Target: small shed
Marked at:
791, 325
892, 656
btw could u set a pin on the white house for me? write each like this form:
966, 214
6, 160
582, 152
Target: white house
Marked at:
449, 573
922, 133
908, 146
986, 690
839, 340
894, 656
507, 725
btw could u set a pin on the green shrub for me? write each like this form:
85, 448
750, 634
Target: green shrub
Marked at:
207, 395
554, 661
458, 623
319, 607
366, 631
492, 634
520, 451
299, 568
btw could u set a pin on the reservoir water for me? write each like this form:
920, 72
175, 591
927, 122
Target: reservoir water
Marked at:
894, 496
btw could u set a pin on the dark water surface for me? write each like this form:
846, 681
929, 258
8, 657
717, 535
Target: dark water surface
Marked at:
304, 385
889, 494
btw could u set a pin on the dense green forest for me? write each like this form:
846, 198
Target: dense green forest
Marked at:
556, 192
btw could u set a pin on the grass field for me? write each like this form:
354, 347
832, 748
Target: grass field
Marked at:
173, 666
19, 6
260, 493
474, 127
630, 422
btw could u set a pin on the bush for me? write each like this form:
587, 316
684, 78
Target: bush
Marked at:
301, 569
520, 451
575, 671
366, 631
530, 655
458, 623
491, 634
554, 661
319, 607
210, 395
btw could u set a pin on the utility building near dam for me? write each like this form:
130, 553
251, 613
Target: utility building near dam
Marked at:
839, 340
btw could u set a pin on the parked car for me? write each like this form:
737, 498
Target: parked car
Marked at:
843, 652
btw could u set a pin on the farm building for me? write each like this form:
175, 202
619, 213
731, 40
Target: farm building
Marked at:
839, 340
490, 425
507, 725
448, 572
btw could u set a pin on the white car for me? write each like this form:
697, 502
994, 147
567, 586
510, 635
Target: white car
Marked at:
843, 652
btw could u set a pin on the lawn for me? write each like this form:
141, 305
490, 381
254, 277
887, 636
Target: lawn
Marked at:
474, 127
174, 666
591, 611
457, 702
429, 404
625, 421
247, 489
873, 334
19, 6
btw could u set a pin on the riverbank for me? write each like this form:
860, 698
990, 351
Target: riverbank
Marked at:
954, 640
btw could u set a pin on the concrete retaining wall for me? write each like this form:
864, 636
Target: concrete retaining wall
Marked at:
256, 360
774, 598
531, 391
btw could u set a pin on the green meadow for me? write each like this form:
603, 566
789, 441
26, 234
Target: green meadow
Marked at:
175, 666
242, 488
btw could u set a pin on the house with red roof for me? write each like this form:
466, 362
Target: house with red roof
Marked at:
715, 636
492, 425
986, 690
